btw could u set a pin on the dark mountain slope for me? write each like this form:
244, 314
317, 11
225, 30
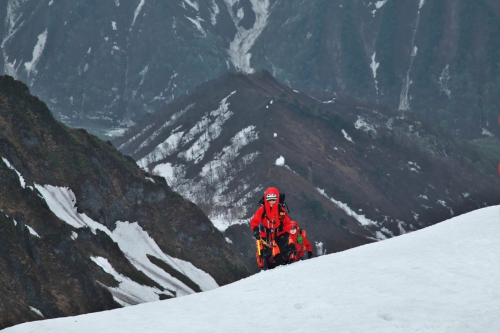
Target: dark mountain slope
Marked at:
103, 64
352, 172
69, 206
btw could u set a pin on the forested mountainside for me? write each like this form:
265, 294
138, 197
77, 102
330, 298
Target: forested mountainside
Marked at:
353, 172
83, 229
103, 64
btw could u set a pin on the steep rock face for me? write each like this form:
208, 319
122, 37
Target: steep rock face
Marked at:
436, 57
353, 172
106, 63
83, 229
103, 64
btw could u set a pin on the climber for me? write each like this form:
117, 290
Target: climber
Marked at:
270, 226
298, 243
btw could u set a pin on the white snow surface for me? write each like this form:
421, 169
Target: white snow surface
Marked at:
32, 231
21, 178
280, 161
346, 136
157, 132
443, 278
360, 218
38, 312
208, 131
30, 66
214, 12
374, 66
193, 4
137, 11
239, 48
380, 3
197, 23
134, 242
364, 126
128, 291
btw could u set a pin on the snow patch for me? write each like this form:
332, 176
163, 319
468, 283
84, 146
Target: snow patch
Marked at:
113, 25
360, 218
229, 241
133, 241
280, 161
443, 80
380, 3
364, 126
197, 24
346, 136
239, 48
162, 151
35, 310
487, 133
193, 4
214, 12
137, 11
30, 66
157, 132
21, 178
208, 132
128, 291
374, 66
320, 250
32, 231
404, 99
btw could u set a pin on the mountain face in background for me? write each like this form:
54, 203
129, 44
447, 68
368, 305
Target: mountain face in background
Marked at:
102, 64
83, 229
353, 172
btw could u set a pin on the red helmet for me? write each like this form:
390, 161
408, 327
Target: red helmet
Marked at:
293, 227
271, 193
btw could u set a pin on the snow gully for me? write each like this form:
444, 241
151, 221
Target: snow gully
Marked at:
243, 41
404, 101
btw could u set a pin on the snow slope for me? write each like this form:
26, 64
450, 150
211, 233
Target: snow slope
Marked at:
440, 279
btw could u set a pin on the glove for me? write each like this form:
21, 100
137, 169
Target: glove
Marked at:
309, 254
280, 228
291, 247
256, 233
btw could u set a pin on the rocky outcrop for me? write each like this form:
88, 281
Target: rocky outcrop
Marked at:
53, 266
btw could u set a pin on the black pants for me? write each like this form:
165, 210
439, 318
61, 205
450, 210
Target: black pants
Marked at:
282, 242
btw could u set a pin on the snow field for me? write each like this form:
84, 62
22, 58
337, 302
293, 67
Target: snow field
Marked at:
440, 279
136, 244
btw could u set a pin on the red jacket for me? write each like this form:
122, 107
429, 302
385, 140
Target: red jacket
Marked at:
269, 216
301, 248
